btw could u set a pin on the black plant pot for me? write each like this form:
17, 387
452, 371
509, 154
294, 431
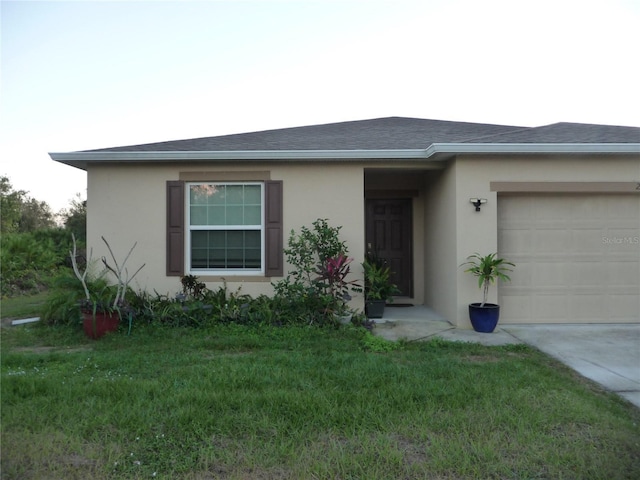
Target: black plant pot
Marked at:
484, 318
374, 308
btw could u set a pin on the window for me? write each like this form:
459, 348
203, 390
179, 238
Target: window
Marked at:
222, 238
225, 228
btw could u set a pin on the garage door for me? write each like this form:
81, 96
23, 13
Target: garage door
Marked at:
577, 257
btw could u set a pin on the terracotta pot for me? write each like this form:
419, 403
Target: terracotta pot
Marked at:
105, 322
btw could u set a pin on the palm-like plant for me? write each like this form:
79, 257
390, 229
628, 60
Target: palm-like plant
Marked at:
488, 268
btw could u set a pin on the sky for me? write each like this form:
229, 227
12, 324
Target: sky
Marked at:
79, 75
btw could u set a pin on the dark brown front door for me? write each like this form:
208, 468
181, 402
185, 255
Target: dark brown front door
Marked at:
388, 225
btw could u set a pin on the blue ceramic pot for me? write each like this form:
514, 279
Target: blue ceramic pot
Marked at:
484, 319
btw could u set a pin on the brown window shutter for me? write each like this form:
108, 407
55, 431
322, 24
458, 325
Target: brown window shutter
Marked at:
175, 228
273, 229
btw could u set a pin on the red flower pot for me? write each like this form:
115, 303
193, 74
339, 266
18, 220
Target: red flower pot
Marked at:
101, 324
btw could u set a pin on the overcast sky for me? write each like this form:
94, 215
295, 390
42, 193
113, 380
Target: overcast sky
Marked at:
79, 75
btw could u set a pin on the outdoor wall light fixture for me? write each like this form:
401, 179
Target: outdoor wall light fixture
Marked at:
476, 202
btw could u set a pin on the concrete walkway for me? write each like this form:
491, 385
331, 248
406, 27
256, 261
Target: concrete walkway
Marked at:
606, 354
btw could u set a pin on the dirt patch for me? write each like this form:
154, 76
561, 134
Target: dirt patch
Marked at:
44, 349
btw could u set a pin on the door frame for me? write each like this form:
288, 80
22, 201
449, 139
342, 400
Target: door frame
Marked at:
407, 217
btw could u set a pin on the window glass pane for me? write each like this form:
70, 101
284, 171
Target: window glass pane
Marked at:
252, 258
196, 196
235, 258
252, 195
199, 258
252, 215
198, 215
217, 194
217, 258
216, 215
199, 239
218, 239
202, 194
252, 239
235, 238
234, 216
235, 194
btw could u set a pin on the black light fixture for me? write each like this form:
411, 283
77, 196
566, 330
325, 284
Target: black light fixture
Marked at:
476, 202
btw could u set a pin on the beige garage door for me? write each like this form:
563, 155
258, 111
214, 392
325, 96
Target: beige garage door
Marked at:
577, 257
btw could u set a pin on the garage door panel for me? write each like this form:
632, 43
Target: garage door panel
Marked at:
518, 306
551, 240
549, 306
587, 273
577, 257
622, 274
548, 273
586, 240
586, 306
623, 308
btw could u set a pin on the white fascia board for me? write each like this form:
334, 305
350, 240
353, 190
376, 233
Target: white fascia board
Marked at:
565, 148
239, 155
80, 159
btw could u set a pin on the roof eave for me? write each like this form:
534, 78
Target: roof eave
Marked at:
435, 152
81, 159
532, 148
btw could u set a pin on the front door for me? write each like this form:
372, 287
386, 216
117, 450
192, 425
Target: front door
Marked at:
388, 225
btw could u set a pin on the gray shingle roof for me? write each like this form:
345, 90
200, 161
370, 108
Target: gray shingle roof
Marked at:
567, 133
380, 133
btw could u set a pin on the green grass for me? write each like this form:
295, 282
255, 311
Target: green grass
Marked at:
302, 403
22, 306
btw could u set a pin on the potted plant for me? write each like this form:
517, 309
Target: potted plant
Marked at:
484, 316
378, 289
103, 305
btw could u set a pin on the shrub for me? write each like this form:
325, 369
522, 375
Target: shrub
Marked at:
316, 288
29, 260
62, 306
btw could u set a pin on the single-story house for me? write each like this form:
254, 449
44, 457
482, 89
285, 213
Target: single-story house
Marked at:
561, 201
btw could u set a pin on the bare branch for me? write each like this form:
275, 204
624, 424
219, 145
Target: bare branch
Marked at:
74, 262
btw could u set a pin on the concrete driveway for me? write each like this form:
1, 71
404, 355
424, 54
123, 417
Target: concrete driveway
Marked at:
606, 354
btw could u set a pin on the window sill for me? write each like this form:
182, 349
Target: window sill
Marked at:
233, 278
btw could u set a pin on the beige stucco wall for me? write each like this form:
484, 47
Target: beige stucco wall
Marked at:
477, 231
440, 248
130, 203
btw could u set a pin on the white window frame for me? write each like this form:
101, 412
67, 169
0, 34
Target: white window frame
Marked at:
190, 228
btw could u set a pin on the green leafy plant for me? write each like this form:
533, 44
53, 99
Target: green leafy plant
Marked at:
488, 269
317, 286
377, 281
30, 260
62, 306
375, 344
312, 247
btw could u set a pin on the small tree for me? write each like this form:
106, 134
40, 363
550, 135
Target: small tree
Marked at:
20, 212
10, 203
75, 218
488, 269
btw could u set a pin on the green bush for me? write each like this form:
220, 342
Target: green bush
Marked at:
304, 295
62, 306
30, 260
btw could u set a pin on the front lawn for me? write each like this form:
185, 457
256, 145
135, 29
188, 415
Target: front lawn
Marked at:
241, 402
